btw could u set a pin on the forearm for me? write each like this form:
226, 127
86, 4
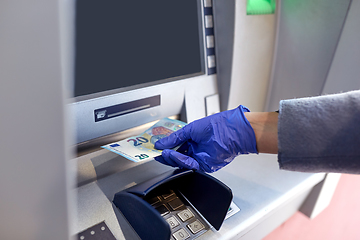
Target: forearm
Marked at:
265, 125
320, 134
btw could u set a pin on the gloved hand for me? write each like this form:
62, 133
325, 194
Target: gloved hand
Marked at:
209, 143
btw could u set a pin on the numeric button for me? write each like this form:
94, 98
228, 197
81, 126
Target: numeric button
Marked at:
175, 204
181, 234
162, 210
185, 215
173, 222
196, 226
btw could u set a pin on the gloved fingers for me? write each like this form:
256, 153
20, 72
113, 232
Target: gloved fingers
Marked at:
175, 139
165, 158
184, 148
161, 159
183, 161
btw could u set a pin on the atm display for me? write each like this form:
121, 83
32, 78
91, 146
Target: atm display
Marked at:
127, 43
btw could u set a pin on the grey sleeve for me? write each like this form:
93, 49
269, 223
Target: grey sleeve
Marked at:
320, 134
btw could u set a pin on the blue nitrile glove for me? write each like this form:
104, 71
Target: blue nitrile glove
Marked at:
209, 143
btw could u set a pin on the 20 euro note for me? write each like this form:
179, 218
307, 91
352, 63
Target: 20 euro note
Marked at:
141, 147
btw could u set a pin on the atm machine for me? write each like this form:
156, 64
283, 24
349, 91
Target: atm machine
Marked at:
135, 64
131, 63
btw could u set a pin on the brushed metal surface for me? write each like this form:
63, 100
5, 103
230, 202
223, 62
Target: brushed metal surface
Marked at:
344, 73
33, 135
307, 37
260, 190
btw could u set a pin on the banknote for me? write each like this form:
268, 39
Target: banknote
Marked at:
141, 147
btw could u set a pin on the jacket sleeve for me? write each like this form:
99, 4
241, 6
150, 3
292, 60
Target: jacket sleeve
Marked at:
320, 134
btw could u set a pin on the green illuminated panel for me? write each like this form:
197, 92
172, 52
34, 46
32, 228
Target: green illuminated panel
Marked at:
258, 7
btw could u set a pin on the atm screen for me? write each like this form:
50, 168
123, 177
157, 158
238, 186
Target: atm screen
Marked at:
126, 43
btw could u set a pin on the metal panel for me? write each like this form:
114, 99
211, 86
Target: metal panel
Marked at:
344, 74
308, 34
224, 21
262, 192
33, 145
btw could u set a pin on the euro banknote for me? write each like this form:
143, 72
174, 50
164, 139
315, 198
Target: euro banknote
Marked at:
141, 147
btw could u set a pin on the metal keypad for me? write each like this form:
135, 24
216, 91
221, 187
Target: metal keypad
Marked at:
162, 209
173, 222
184, 221
176, 204
185, 215
196, 226
181, 234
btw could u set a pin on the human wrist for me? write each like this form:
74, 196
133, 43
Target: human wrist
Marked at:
246, 135
264, 125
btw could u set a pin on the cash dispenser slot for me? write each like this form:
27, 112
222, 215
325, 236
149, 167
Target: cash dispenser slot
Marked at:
174, 204
126, 108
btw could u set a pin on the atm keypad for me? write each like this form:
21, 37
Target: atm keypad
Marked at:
181, 234
196, 226
185, 215
168, 195
173, 222
162, 209
184, 221
176, 204
154, 200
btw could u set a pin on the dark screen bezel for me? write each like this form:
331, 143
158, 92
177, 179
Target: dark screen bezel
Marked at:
161, 81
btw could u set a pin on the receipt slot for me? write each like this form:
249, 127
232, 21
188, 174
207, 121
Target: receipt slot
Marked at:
179, 204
